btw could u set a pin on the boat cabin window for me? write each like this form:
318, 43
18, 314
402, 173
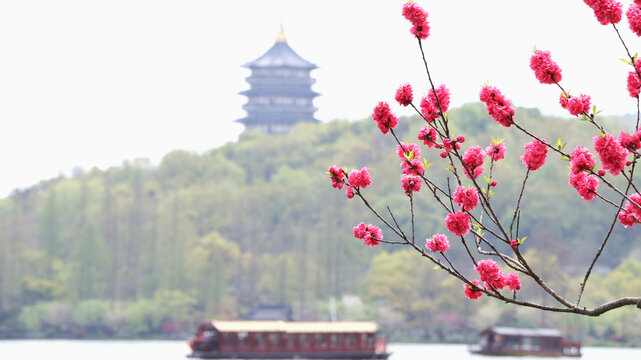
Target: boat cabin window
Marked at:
531, 343
367, 339
305, 340
243, 339
259, 340
552, 343
350, 340
273, 339
511, 342
334, 340
291, 341
320, 340
229, 339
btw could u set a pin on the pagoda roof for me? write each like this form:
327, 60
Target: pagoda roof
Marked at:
280, 55
278, 118
284, 91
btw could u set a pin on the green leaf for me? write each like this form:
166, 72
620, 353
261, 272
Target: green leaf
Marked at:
437, 267
521, 240
565, 158
627, 61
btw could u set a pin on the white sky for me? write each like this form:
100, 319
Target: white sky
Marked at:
93, 83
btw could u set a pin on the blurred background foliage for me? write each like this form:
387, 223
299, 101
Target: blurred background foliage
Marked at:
150, 251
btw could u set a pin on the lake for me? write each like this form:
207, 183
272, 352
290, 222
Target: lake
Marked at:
176, 350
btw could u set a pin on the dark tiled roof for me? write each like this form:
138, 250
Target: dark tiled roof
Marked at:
280, 55
504, 330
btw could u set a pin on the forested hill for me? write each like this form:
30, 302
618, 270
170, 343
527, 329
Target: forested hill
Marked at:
136, 250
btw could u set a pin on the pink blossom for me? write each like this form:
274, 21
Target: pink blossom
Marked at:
512, 281
418, 17
421, 31
411, 151
404, 95
447, 144
384, 117
585, 185
473, 160
611, 153
535, 153
359, 178
429, 105
370, 234
514, 243
631, 214
414, 13
413, 167
438, 242
606, 11
496, 151
428, 135
498, 107
493, 183
497, 284
488, 270
410, 184
581, 159
349, 192
638, 2
634, 83
575, 105
634, 18
458, 223
545, 69
337, 175
468, 198
470, 293
631, 142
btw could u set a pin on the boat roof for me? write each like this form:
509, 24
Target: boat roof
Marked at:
505, 330
297, 326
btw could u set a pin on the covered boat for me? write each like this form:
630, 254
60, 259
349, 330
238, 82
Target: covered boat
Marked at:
510, 341
287, 340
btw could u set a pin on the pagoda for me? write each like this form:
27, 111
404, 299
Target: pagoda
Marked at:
280, 93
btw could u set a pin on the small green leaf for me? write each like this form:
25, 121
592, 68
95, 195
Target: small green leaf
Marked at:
487, 179
428, 166
565, 158
521, 240
634, 58
627, 61
437, 267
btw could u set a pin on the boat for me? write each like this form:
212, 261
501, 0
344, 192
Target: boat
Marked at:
287, 340
511, 341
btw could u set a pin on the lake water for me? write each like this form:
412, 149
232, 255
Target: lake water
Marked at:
176, 350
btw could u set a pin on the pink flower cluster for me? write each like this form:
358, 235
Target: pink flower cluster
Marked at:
581, 160
430, 105
384, 117
473, 160
631, 214
410, 159
370, 234
418, 17
634, 83
470, 293
468, 198
585, 185
404, 95
611, 153
337, 175
458, 223
438, 242
410, 184
575, 105
498, 107
359, 178
535, 153
632, 142
606, 11
429, 136
545, 69
496, 151
634, 18
490, 273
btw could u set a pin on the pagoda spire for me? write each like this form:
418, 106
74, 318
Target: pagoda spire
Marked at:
281, 34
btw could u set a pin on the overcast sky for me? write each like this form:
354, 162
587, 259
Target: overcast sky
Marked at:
93, 83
